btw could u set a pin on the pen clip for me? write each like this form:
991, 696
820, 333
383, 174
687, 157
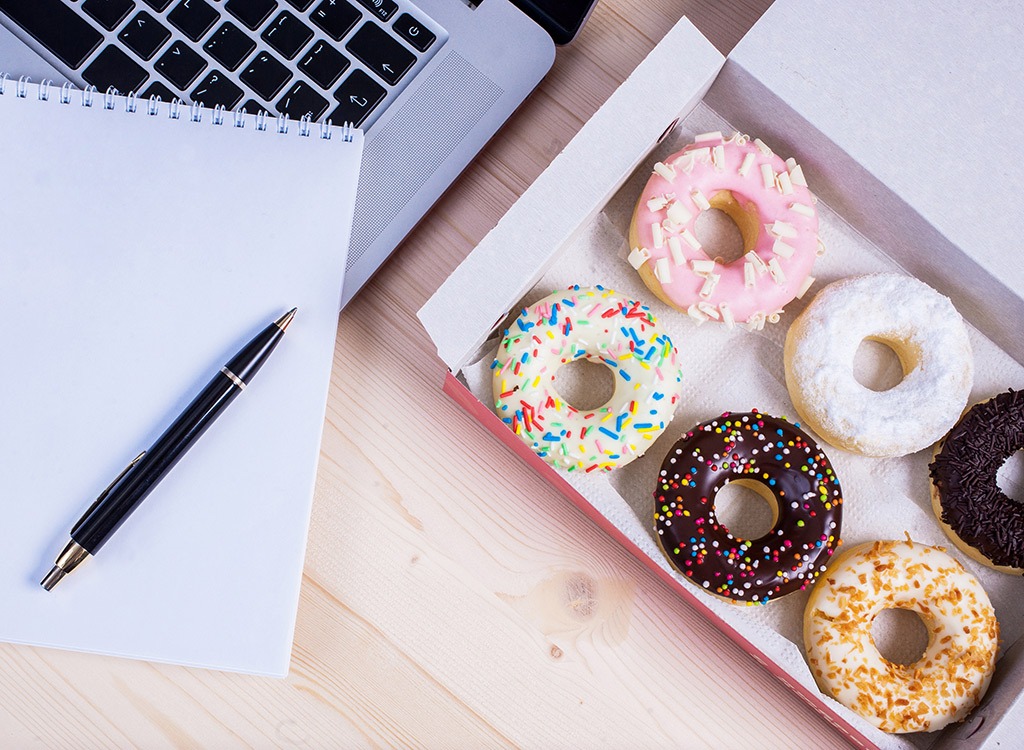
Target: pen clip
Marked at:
110, 486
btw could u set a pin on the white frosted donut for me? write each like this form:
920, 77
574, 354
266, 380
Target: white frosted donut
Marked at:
951, 676
927, 334
599, 325
767, 198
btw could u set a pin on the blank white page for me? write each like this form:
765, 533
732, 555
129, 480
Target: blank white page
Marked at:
138, 253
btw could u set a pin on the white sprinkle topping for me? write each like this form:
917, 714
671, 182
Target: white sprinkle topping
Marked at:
755, 259
696, 314
638, 256
708, 309
700, 201
703, 153
714, 135
775, 317
762, 148
718, 157
821, 248
783, 250
776, 271
749, 275
802, 208
656, 203
709, 285
665, 171
671, 226
790, 163
804, 287
748, 162
768, 175
785, 184
755, 322
657, 235
691, 240
662, 272
727, 317
702, 267
796, 174
678, 214
782, 229
676, 251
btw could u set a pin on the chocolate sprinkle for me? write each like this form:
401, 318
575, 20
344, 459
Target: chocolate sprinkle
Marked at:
964, 474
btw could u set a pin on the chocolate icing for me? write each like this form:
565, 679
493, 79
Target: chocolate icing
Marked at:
753, 447
964, 474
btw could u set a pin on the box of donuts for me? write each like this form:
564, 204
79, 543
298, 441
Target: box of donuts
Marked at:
759, 320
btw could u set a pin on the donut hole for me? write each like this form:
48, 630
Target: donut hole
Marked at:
877, 366
727, 231
748, 509
1010, 477
585, 385
900, 635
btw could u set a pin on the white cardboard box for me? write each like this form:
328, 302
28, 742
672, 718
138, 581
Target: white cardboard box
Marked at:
904, 120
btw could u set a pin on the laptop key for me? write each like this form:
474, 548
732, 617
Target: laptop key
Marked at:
381, 53
108, 13
265, 75
253, 107
358, 95
160, 91
324, 64
158, 5
144, 35
383, 9
180, 64
251, 12
113, 68
287, 34
229, 46
301, 4
336, 17
193, 18
217, 89
302, 100
57, 27
414, 32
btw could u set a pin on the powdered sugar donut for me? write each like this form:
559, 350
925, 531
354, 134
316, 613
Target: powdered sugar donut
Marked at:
927, 334
599, 325
956, 668
768, 200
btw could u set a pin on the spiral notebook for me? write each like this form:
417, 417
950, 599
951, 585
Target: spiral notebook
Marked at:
142, 244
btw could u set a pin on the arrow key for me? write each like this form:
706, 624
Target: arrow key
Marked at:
358, 96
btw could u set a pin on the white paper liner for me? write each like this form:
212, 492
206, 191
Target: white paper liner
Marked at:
737, 371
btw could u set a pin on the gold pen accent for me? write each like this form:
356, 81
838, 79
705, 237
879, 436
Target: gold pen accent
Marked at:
74, 554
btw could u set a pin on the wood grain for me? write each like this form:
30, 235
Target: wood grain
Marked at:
450, 598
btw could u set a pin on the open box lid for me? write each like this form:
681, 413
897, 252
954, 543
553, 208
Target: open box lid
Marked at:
670, 82
907, 118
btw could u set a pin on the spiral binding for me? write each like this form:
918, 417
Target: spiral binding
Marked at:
195, 112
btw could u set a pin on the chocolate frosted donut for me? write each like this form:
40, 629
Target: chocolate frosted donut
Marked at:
975, 513
773, 457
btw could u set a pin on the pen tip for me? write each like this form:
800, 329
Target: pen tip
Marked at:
52, 578
285, 319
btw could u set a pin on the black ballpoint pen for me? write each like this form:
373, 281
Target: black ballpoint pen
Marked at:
132, 485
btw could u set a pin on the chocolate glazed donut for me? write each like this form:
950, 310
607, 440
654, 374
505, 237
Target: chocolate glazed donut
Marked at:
773, 457
974, 512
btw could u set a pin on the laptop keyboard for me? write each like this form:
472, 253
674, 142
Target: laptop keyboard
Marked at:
325, 59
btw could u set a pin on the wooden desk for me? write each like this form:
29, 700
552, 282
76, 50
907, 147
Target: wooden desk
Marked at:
450, 598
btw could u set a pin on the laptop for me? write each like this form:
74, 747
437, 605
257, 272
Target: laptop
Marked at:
429, 81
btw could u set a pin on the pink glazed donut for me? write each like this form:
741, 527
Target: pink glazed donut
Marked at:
768, 200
